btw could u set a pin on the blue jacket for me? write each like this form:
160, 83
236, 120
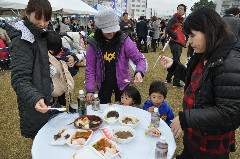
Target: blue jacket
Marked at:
165, 111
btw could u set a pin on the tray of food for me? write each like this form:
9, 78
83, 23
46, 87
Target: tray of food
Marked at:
151, 130
62, 136
130, 120
107, 148
107, 132
79, 138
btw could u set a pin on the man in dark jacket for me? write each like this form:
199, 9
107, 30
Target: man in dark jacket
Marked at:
142, 31
232, 15
126, 25
177, 40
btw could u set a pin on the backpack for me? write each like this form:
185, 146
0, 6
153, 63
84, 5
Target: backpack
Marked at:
63, 81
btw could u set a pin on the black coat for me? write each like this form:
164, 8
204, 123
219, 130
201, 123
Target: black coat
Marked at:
216, 107
30, 77
141, 29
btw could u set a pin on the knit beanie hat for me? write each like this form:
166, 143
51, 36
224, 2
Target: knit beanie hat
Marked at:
107, 20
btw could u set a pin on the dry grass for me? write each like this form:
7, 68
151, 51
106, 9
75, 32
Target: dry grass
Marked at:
14, 146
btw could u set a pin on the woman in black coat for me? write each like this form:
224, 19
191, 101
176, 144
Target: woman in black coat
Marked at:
211, 97
30, 67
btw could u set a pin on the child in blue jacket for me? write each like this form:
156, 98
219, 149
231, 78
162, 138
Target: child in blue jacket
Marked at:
157, 95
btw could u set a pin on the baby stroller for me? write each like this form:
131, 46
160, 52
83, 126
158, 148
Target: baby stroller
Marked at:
4, 59
133, 36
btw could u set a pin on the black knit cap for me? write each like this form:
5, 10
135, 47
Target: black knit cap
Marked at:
54, 42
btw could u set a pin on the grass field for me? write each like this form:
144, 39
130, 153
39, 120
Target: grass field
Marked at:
14, 146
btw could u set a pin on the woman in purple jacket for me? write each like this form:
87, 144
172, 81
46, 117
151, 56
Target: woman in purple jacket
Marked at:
108, 57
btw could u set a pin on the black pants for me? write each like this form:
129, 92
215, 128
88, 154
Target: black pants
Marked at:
176, 51
105, 94
154, 44
62, 100
140, 45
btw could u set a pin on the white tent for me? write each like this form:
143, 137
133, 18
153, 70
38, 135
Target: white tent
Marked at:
100, 7
59, 6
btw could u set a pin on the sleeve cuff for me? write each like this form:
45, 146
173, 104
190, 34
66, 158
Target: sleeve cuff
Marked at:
183, 121
90, 91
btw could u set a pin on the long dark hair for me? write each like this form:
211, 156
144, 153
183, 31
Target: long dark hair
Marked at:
211, 24
40, 7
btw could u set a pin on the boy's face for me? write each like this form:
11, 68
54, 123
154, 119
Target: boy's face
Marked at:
125, 100
180, 10
156, 99
125, 17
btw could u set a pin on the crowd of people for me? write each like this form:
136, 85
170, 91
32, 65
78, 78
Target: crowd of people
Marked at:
210, 109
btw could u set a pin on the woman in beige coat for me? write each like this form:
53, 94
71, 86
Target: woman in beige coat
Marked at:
4, 36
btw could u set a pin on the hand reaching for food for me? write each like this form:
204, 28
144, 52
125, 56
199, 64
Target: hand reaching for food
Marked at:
89, 98
138, 78
151, 109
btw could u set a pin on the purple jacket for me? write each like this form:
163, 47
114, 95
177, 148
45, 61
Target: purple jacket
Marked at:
95, 64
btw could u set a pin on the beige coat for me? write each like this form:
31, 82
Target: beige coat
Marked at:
74, 44
4, 36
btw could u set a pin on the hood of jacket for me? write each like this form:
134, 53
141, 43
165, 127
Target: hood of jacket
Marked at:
23, 28
222, 51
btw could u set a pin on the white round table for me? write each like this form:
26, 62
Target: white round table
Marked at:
141, 147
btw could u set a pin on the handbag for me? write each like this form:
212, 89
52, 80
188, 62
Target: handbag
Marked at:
63, 81
151, 32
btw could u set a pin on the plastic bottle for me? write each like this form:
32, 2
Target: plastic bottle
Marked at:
155, 118
82, 103
95, 103
161, 148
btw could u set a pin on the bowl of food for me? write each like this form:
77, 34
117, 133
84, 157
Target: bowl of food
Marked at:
112, 115
107, 148
79, 138
123, 134
130, 120
86, 122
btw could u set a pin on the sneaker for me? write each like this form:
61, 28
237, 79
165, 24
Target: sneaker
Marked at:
179, 85
167, 81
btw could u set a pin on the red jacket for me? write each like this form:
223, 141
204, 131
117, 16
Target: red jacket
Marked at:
174, 30
3, 45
